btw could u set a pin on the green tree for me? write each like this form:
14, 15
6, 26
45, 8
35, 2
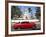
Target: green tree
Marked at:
15, 11
38, 14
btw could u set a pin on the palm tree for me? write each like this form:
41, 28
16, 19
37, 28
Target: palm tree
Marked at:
30, 11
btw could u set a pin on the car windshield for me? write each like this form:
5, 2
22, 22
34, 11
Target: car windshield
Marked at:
24, 22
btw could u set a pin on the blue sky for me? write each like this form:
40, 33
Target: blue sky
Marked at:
32, 7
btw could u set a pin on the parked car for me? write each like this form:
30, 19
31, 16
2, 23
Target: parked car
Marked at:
24, 25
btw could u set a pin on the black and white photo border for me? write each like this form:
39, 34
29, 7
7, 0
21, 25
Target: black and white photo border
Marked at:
23, 32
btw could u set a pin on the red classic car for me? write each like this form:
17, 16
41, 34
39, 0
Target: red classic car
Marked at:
24, 25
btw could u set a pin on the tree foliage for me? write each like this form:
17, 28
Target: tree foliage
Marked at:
38, 14
15, 11
29, 9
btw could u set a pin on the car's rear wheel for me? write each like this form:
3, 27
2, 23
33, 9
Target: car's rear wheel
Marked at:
34, 27
19, 28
